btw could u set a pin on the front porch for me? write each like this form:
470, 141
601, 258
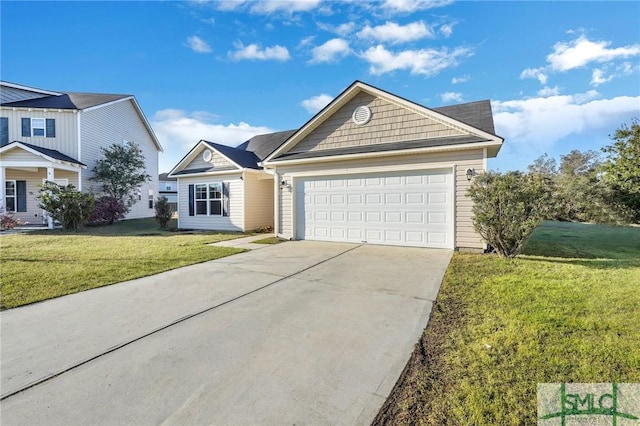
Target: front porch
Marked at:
23, 170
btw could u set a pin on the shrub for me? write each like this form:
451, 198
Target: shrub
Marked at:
108, 210
508, 207
163, 211
7, 221
71, 208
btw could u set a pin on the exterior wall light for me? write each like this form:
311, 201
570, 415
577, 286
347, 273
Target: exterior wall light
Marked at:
470, 173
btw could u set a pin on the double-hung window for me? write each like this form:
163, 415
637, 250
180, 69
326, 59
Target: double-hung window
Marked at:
39, 127
10, 195
15, 199
208, 199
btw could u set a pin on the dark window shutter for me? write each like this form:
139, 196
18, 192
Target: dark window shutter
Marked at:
51, 128
21, 195
26, 127
4, 131
191, 200
225, 198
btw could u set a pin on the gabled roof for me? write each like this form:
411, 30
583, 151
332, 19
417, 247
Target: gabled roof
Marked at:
50, 153
67, 101
244, 159
263, 145
474, 118
239, 158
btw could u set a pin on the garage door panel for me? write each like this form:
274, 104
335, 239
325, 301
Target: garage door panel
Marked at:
412, 208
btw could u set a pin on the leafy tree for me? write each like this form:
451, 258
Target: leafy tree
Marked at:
507, 208
108, 210
121, 172
69, 207
621, 169
163, 211
578, 191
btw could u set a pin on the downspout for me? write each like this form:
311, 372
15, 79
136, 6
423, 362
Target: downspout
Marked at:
79, 115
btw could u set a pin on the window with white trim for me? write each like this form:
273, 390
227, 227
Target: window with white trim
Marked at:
208, 199
37, 126
10, 195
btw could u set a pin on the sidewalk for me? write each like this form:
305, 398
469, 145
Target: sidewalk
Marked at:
246, 243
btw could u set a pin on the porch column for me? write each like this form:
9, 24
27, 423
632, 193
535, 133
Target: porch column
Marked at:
2, 189
51, 178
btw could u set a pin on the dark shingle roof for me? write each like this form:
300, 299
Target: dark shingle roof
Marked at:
204, 170
263, 145
477, 114
246, 159
67, 101
391, 146
165, 177
56, 155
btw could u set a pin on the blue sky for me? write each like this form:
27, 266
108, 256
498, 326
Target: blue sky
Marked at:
560, 75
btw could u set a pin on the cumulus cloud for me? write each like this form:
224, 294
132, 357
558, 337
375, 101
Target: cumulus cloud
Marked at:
265, 7
451, 97
198, 45
534, 124
446, 30
427, 62
410, 6
316, 103
394, 33
255, 52
178, 131
581, 51
548, 91
538, 73
342, 30
331, 51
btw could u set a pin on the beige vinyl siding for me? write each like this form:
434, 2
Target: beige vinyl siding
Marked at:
33, 215
258, 200
465, 235
233, 222
18, 154
217, 160
112, 123
66, 140
389, 123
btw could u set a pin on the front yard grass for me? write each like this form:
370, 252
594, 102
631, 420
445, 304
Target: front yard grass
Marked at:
567, 310
41, 265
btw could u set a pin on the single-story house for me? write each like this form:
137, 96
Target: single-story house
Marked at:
371, 167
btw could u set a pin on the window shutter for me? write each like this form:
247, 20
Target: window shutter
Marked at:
4, 131
225, 198
51, 128
26, 127
21, 195
191, 200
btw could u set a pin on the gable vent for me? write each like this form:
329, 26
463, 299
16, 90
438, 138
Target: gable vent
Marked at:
361, 115
207, 155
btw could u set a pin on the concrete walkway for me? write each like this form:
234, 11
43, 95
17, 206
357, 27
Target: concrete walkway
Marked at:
246, 243
296, 333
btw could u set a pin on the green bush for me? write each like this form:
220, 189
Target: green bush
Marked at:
71, 208
163, 211
508, 207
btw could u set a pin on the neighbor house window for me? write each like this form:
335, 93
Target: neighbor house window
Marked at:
4, 131
151, 198
208, 199
15, 192
39, 127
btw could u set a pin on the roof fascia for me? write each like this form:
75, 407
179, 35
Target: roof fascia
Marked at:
426, 150
218, 173
191, 155
15, 145
29, 89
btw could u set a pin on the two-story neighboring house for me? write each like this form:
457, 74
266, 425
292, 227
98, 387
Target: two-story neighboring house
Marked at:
168, 187
58, 136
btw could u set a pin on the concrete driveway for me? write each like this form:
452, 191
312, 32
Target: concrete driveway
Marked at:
296, 333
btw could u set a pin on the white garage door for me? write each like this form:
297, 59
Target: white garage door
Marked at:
408, 209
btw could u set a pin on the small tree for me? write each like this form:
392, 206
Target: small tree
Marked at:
64, 204
108, 210
163, 211
621, 169
121, 172
507, 208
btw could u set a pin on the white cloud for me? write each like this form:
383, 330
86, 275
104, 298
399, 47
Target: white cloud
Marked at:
178, 131
598, 77
255, 52
458, 80
331, 51
393, 33
198, 45
305, 42
534, 124
316, 103
581, 51
548, 91
538, 73
451, 97
427, 62
446, 30
286, 6
410, 6
342, 30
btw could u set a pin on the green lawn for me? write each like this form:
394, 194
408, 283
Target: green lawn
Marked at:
268, 240
41, 265
567, 310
